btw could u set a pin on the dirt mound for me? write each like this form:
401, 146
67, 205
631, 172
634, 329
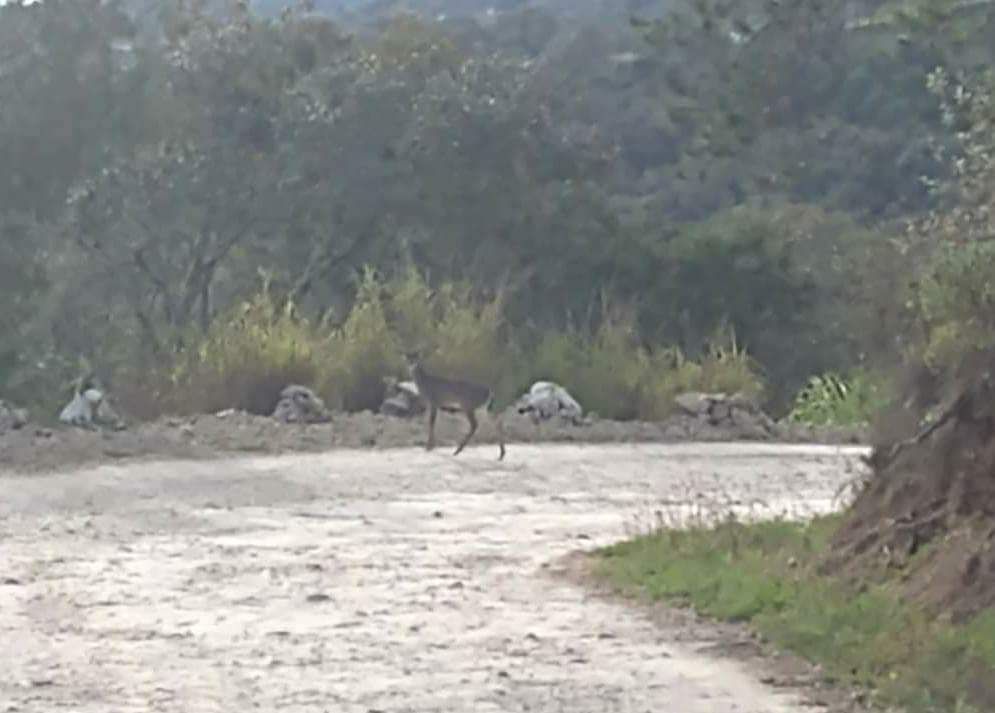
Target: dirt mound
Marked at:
936, 489
720, 417
37, 450
707, 416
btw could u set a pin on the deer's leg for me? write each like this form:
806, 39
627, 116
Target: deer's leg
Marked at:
473, 429
499, 427
432, 413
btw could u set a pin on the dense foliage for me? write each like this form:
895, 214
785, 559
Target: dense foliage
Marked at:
726, 168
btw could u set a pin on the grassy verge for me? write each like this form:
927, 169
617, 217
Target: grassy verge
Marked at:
764, 574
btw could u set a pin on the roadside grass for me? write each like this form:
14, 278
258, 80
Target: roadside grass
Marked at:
764, 574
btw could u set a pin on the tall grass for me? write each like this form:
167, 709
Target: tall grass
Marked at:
243, 361
456, 330
605, 370
361, 352
834, 400
724, 367
250, 353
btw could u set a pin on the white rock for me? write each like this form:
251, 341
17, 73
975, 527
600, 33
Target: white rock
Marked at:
547, 399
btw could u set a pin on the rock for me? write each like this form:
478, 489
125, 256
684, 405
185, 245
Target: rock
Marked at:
695, 403
396, 406
546, 400
89, 407
299, 404
11, 418
81, 408
403, 399
720, 412
718, 416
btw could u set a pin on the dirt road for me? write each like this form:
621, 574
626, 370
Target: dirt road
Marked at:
392, 580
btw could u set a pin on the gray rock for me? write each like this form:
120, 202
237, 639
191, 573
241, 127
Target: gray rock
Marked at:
11, 418
546, 400
717, 416
90, 408
299, 404
695, 403
402, 400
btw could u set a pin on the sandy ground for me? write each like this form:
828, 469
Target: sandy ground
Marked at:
375, 580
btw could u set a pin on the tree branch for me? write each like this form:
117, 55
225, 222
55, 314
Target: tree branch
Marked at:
322, 261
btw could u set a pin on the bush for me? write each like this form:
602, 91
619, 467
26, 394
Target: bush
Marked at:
778, 274
614, 375
832, 400
605, 371
250, 354
244, 360
361, 352
956, 303
724, 367
457, 331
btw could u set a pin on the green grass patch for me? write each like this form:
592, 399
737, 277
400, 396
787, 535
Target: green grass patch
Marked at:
834, 400
763, 574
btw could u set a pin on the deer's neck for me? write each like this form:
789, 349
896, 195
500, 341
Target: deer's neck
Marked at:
418, 373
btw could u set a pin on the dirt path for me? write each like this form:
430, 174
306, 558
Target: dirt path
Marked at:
366, 581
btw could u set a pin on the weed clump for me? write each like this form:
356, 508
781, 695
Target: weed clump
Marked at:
833, 400
612, 373
243, 360
361, 353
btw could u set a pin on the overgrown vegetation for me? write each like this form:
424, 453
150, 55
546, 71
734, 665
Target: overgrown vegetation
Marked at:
765, 574
247, 356
830, 399
706, 172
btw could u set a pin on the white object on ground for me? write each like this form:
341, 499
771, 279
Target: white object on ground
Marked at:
81, 409
547, 399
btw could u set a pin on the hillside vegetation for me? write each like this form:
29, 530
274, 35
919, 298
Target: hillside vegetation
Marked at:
595, 198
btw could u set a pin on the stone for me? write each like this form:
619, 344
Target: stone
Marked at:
299, 404
11, 418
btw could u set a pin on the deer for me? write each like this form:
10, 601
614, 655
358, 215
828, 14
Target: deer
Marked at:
452, 396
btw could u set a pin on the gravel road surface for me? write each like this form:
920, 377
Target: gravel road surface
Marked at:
361, 581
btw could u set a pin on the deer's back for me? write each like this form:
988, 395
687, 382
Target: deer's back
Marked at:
451, 393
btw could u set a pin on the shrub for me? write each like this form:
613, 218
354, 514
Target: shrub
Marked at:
956, 300
458, 332
361, 352
833, 400
604, 370
248, 355
243, 361
724, 367
613, 374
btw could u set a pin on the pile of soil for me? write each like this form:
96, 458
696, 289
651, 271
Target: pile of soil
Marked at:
927, 512
33, 449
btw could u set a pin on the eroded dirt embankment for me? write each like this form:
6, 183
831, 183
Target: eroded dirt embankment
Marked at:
393, 580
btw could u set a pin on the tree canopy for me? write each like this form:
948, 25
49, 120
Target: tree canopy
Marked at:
708, 164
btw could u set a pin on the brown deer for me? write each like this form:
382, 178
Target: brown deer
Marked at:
453, 396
